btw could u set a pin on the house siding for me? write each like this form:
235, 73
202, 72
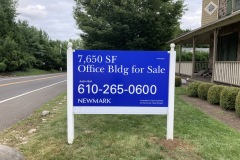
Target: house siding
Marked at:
207, 18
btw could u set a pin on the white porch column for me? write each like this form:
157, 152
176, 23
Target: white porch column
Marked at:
179, 60
193, 57
215, 41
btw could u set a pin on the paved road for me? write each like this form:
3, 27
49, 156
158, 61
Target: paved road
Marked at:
20, 96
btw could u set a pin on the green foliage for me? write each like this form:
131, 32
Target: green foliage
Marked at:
214, 93
237, 104
27, 47
33, 71
127, 25
199, 56
3, 66
228, 97
23, 46
180, 32
11, 54
77, 43
203, 90
192, 90
184, 56
14, 58
178, 81
7, 15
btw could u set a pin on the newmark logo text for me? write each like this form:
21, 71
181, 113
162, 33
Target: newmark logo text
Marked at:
92, 100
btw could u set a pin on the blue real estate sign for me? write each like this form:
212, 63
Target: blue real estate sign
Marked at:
120, 78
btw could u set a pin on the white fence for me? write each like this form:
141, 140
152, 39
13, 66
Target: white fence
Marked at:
185, 68
227, 72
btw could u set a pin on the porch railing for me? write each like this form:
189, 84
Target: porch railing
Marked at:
200, 66
227, 72
185, 68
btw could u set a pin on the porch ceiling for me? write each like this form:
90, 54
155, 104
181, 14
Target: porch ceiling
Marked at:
202, 34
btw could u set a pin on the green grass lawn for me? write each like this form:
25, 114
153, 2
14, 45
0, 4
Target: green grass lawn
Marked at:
127, 137
30, 72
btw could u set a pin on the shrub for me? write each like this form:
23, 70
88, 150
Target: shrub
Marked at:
202, 56
228, 97
203, 90
178, 81
199, 56
237, 105
192, 90
214, 93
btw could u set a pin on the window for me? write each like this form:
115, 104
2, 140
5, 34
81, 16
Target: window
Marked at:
227, 47
236, 5
229, 7
210, 8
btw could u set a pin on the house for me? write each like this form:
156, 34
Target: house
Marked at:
220, 29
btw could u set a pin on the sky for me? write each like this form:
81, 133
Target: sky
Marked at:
56, 16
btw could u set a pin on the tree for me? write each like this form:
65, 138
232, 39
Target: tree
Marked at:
7, 16
7, 25
180, 32
23, 46
77, 43
127, 24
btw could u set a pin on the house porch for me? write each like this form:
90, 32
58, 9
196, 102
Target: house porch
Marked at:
223, 37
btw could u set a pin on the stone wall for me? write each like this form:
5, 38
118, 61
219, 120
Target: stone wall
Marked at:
222, 12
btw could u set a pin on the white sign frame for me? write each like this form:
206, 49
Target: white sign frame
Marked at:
71, 110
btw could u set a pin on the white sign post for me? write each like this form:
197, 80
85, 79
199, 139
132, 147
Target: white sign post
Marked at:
171, 93
70, 115
115, 82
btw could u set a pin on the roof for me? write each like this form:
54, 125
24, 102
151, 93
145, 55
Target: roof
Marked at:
202, 34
